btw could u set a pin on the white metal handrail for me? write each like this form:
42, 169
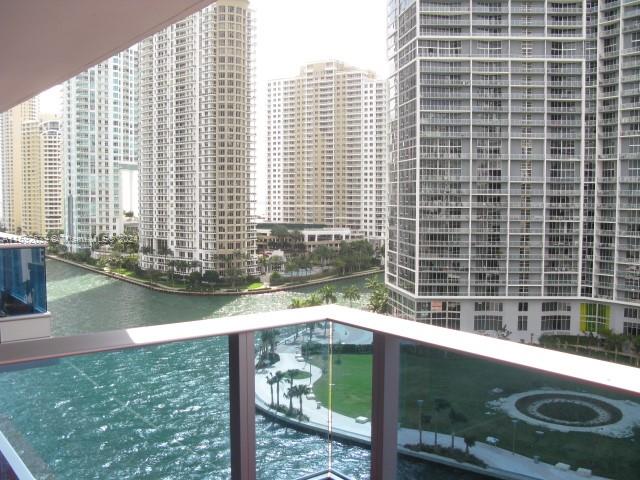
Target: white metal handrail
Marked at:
607, 374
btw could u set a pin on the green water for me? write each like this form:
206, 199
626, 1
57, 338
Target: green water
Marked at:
152, 413
81, 301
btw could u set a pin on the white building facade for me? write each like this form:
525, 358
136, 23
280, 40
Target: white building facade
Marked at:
51, 153
515, 165
99, 138
326, 149
197, 142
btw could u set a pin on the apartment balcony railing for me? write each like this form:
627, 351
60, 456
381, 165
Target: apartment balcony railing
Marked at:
469, 402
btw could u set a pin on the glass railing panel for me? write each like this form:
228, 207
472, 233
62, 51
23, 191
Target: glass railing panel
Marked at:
310, 417
153, 412
292, 436
345, 388
474, 416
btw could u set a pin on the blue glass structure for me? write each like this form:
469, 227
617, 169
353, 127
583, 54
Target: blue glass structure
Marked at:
22, 276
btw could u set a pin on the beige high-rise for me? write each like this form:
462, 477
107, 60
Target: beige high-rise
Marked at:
11, 125
326, 148
32, 179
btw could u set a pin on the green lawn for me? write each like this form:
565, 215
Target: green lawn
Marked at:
301, 374
351, 377
467, 385
255, 286
124, 271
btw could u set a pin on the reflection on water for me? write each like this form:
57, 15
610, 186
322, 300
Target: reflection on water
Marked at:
159, 412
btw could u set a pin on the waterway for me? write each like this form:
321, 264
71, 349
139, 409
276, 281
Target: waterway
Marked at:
153, 413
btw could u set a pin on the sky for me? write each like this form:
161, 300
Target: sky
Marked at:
291, 33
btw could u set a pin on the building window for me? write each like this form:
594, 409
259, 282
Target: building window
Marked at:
488, 306
487, 322
523, 307
522, 323
555, 322
631, 329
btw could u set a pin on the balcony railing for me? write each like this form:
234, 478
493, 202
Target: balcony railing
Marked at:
486, 405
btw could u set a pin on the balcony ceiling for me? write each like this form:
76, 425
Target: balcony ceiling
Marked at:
43, 43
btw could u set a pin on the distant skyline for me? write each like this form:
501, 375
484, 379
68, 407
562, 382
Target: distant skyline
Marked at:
292, 33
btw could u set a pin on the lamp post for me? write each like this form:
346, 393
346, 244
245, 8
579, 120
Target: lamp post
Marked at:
420, 403
513, 446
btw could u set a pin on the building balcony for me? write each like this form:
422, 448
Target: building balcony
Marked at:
180, 400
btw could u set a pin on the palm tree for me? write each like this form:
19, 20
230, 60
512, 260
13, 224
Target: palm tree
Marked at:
290, 374
279, 376
313, 300
455, 418
297, 302
469, 441
352, 294
328, 294
373, 283
379, 300
299, 391
271, 380
636, 347
267, 342
263, 262
440, 405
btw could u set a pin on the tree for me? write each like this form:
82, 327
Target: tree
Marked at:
313, 300
292, 265
328, 294
211, 276
233, 274
290, 374
440, 404
298, 391
264, 263
279, 376
379, 299
352, 294
455, 418
297, 302
636, 348
271, 381
323, 253
469, 441
195, 278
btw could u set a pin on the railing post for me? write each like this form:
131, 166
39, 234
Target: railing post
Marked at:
242, 409
384, 406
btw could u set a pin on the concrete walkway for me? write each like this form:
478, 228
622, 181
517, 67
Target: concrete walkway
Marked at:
321, 419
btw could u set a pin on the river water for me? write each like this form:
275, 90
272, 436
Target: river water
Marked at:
152, 413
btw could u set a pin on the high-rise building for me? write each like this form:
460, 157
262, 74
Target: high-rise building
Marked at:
11, 125
197, 145
515, 165
32, 179
51, 152
326, 148
99, 137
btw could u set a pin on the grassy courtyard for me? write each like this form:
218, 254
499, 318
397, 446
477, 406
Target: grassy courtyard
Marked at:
456, 391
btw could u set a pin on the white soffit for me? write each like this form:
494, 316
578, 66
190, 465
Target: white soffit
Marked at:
45, 42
